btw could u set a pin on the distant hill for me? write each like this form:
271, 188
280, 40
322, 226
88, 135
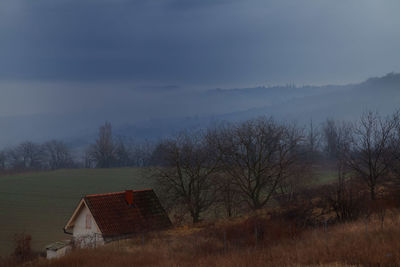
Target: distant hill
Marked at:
168, 112
344, 103
301, 104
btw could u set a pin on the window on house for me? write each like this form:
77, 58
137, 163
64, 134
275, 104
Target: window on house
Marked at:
88, 221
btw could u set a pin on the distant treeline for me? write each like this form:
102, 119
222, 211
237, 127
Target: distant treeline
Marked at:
245, 164
32, 156
107, 151
313, 142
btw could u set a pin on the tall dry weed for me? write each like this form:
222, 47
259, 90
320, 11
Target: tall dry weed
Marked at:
360, 243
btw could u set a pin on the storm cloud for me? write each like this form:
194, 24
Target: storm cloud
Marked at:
198, 43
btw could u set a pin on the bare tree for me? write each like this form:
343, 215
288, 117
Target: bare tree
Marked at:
88, 160
27, 155
3, 160
344, 197
370, 158
297, 178
131, 153
123, 153
301, 174
103, 151
22, 251
142, 153
57, 155
343, 151
226, 192
188, 164
330, 138
395, 148
258, 154
312, 142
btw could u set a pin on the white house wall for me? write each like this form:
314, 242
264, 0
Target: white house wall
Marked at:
86, 234
51, 254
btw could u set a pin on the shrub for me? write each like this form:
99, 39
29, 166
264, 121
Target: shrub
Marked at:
22, 251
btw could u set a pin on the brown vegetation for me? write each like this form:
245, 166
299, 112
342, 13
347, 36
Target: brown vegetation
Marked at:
22, 251
234, 243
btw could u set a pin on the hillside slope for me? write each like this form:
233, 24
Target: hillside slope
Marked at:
40, 203
350, 244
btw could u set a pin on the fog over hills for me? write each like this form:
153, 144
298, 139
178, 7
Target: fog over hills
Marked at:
154, 112
152, 68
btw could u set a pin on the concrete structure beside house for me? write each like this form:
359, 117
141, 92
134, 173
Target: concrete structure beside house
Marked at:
102, 218
58, 249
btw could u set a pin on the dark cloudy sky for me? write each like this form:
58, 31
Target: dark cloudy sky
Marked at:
66, 44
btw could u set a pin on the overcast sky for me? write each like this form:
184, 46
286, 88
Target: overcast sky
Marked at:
72, 45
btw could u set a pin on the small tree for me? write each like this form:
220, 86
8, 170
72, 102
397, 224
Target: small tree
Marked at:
330, 138
3, 160
57, 155
394, 148
22, 251
343, 195
257, 155
142, 154
227, 194
103, 151
312, 143
186, 172
122, 153
370, 158
27, 155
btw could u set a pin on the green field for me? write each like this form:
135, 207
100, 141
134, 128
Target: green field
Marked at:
324, 176
40, 203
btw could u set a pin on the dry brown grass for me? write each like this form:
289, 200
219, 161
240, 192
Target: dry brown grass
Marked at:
351, 244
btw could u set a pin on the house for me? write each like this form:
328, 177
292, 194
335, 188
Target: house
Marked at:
102, 218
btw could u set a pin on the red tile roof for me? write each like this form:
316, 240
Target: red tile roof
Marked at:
115, 217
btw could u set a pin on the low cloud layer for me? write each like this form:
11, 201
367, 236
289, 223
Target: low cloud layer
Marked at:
198, 43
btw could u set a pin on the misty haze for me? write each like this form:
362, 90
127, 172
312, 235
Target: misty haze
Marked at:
199, 133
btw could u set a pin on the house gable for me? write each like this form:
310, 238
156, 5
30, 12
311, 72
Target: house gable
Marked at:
82, 222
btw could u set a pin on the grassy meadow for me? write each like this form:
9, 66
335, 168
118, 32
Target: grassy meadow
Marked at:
341, 245
40, 203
